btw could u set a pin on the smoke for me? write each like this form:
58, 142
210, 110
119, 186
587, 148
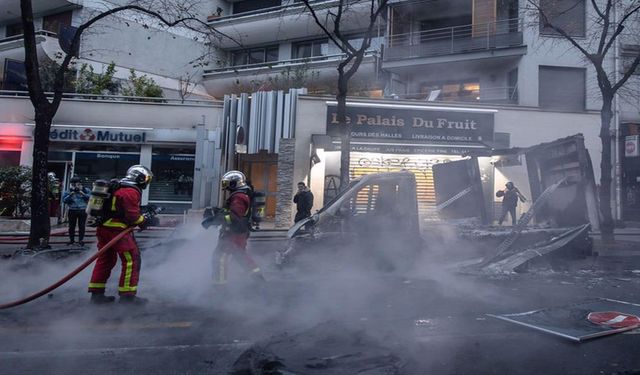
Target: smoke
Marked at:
396, 289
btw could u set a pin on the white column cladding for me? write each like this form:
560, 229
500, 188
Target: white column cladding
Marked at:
26, 153
145, 159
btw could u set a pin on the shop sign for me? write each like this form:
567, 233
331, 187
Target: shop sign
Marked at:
631, 144
413, 124
413, 149
170, 157
90, 135
106, 156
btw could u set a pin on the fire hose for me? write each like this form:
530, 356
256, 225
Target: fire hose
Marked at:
70, 275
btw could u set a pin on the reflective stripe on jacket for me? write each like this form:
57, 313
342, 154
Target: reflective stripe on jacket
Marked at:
125, 208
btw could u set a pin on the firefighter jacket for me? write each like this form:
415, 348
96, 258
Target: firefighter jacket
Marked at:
124, 208
237, 212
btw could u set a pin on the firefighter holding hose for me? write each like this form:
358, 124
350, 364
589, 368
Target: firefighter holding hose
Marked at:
120, 212
235, 229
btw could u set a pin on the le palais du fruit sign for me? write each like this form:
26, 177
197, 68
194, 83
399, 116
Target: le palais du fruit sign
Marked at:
408, 124
96, 135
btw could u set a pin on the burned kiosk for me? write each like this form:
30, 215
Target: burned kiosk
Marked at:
378, 209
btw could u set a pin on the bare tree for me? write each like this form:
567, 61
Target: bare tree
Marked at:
180, 13
605, 29
333, 25
186, 85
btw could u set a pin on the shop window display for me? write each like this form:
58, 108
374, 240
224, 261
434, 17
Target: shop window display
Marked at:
173, 176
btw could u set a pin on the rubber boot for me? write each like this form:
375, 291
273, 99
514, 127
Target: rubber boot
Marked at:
133, 300
100, 298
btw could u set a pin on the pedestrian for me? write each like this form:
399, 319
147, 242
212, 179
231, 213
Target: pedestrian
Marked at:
122, 211
76, 199
510, 198
304, 202
235, 229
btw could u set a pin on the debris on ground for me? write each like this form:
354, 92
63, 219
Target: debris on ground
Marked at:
328, 348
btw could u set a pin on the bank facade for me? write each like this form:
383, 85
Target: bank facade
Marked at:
104, 140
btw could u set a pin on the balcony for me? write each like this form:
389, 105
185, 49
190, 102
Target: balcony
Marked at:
12, 47
485, 95
225, 80
11, 8
284, 22
499, 39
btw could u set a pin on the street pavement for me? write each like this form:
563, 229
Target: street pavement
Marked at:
433, 318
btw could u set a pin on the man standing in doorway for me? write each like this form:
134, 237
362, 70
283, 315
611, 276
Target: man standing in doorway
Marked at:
304, 202
510, 198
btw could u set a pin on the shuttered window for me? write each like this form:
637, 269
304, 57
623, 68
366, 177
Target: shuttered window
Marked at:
363, 163
561, 88
568, 15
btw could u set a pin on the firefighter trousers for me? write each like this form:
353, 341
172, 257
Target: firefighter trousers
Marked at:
232, 245
127, 250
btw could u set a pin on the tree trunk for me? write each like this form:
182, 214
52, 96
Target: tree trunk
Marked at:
40, 224
607, 224
345, 142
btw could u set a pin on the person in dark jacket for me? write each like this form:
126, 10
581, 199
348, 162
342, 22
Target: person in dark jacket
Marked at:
510, 198
304, 202
76, 199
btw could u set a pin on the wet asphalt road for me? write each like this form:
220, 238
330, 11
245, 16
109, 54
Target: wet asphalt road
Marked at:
433, 318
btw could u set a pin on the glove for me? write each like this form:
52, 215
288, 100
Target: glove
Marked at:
211, 217
149, 221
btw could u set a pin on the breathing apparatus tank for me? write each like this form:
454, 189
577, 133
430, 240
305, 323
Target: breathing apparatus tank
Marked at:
258, 201
99, 194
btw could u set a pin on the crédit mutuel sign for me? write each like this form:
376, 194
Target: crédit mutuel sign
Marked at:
414, 124
96, 135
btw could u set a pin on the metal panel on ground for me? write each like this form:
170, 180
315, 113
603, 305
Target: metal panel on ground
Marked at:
582, 320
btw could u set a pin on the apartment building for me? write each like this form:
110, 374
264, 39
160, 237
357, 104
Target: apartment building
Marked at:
446, 57
165, 55
490, 60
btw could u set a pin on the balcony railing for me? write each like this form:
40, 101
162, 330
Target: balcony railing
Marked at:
21, 36
293, 7
457, 39
495, 95
283, 63
115, 98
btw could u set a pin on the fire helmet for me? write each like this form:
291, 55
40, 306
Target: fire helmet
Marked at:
509, 185
233, 180
138, 175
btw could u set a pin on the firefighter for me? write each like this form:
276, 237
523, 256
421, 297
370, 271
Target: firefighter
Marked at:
122, 211
235, 229
510, 198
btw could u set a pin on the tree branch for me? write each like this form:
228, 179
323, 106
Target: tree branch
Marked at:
563, 33
628, 73
620, 28
59, 80
605, 27
323, 27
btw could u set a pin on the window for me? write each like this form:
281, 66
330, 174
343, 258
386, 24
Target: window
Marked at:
310, 49
55, 21
255, 55
451, 91
251, 5
561, 88
13, 30
569, 15
512, 86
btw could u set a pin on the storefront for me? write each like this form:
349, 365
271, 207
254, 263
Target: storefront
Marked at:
93, 153
389, 138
